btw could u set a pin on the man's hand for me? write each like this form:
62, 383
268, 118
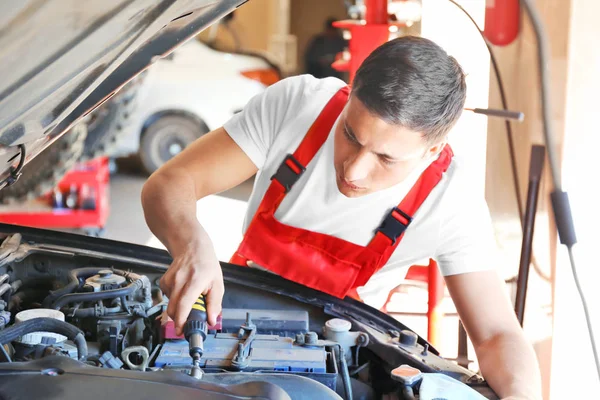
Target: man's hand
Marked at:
194, 272
212, 164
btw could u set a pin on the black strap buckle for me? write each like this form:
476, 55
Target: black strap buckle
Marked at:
392, 227
286, 175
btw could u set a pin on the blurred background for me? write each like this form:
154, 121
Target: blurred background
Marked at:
210, 78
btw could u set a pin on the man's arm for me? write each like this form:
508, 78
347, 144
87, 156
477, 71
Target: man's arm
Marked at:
210, 165
507, 360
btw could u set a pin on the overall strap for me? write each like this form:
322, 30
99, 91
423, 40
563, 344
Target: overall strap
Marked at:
392, 229
294, 165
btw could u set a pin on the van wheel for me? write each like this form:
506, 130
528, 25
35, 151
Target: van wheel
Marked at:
166, 138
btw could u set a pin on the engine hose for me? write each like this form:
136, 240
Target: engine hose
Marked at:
73, 284
91, 312
99, 311
96, 296
46, 325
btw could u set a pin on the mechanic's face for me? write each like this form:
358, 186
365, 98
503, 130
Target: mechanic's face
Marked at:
372, 155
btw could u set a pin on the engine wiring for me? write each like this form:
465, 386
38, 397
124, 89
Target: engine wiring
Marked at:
560, 203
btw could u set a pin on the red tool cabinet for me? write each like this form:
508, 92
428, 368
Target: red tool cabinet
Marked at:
92, 176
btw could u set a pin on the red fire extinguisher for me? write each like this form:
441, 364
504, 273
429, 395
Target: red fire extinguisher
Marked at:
501, 21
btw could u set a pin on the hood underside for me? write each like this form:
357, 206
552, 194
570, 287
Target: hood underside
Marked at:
63, 58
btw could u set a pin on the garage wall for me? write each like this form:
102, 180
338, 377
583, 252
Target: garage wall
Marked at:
307, 20
554, 318
253, 23
580, 149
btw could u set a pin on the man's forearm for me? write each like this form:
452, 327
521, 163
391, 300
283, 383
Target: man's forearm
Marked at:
510, 366
169, 205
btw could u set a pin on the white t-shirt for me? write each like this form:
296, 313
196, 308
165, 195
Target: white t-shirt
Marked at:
453, 225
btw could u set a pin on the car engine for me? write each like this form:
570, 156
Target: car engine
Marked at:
124, 326
83, 314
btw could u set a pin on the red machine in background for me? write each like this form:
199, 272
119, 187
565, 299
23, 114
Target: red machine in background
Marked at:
82, 197
366, 36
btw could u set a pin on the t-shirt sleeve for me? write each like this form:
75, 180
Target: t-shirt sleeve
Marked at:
255, 127
466, 242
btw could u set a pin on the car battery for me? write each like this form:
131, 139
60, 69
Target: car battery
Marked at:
268, 352
274, 322
174, 354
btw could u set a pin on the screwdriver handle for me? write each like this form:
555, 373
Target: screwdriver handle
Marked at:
198, 311
197, 319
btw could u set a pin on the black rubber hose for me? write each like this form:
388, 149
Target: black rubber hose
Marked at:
72, 285
47, 325
96, 296
65, 295
91, 312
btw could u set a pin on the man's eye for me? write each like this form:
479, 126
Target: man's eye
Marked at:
387, 161
351, 138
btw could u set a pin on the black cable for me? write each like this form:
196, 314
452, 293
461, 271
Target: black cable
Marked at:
15, 173
74, 283
585, 306
47, 325
509, 131
560, 201
95, 296
509, 134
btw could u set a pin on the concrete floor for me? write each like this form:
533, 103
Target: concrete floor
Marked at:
221, 215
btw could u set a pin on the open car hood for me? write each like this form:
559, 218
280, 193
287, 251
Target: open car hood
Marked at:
63, 58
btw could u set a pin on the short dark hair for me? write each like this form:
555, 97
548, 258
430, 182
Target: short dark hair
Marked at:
412, 82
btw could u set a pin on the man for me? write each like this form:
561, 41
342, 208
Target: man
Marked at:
377, 153
322, 50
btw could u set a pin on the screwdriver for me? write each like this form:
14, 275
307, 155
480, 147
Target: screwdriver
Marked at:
195, 333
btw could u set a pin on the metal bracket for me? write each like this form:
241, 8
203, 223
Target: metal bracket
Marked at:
241, 359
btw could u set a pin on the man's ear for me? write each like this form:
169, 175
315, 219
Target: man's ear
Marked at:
436, 148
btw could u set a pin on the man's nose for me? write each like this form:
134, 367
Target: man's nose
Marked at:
357, 167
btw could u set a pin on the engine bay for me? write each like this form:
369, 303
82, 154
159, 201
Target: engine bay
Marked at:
69, 310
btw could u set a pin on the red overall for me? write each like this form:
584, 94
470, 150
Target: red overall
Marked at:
316, 260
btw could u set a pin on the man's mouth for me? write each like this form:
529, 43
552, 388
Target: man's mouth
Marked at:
350, 185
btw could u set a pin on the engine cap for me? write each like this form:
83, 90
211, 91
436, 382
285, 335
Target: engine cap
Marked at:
406, 374
338, 325
37, 337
